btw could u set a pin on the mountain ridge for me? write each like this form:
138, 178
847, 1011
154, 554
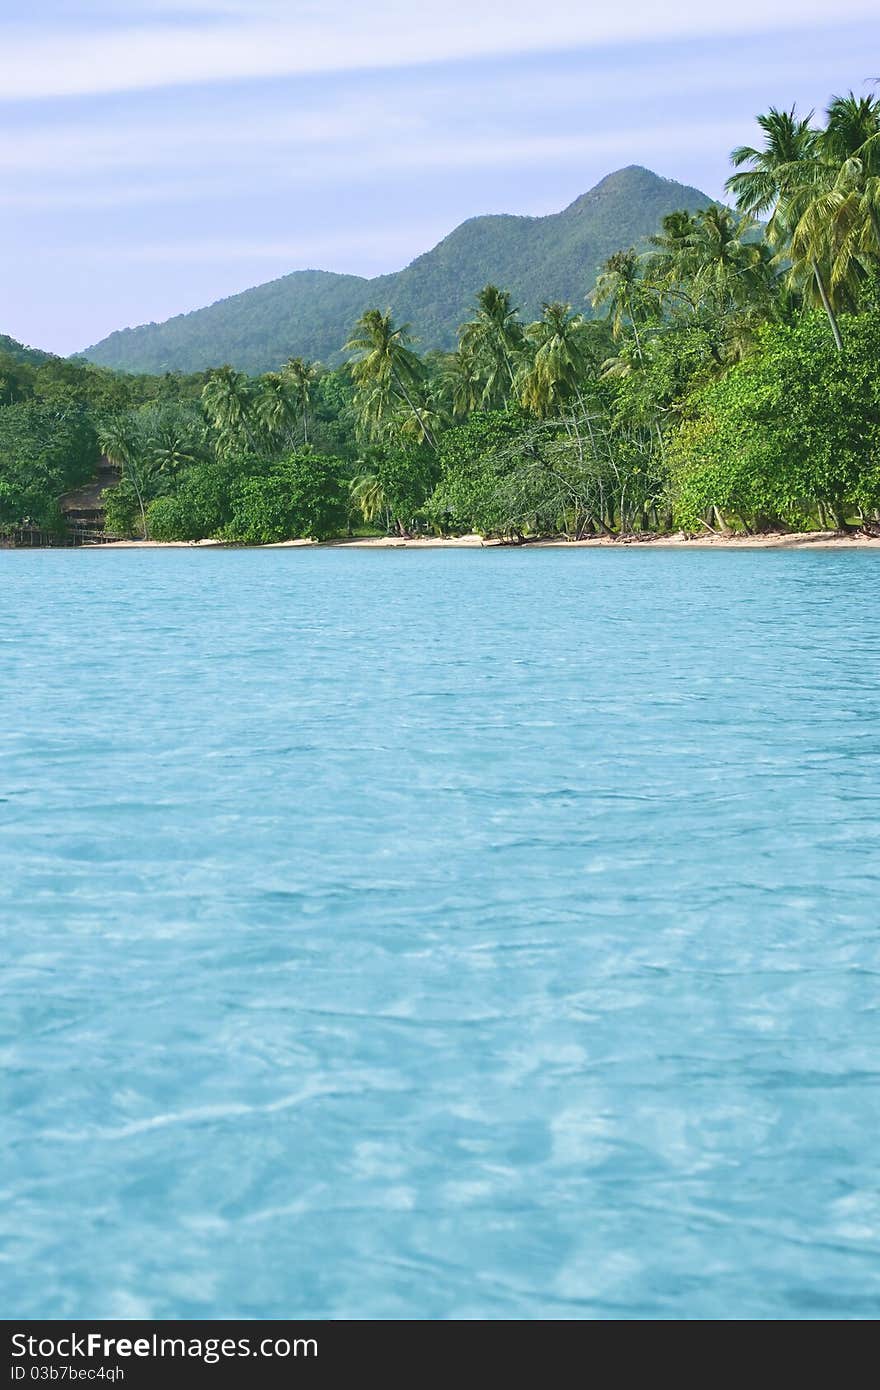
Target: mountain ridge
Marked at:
22, 354
310, 312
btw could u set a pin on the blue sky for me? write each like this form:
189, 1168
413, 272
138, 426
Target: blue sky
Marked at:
160, 154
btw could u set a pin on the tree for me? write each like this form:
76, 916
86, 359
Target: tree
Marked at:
123, 445
782, 179
470, 491
850, 144
791, 431
727, 264
491, 341
368, 496
461, 382
302, 495
670, 260
45, 450
174, 440
301, 376
385, 372
618, 289
560, 344
274, 409
712, 268
201, 505
227, 399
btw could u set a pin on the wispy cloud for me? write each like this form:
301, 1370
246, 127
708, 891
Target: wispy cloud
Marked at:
318, 147
93, 146
234, 41
143, 174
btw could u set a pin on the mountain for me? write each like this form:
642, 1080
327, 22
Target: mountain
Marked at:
31, 357
311, 312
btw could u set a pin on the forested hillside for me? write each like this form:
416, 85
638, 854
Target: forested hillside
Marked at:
310, 312
725, 380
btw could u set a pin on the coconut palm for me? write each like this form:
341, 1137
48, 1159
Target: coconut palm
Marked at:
790, 148
850, 145
494, 338
302, 376
561, 359
461, 382
620, 291
671, 257
784, 179
385, 371
274, 408
729, 266
123, 445
171, 446
615, 288
368, 496
227, 399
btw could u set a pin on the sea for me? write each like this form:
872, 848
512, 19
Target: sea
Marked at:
440, 934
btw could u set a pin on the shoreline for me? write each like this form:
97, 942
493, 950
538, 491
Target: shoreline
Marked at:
794, 540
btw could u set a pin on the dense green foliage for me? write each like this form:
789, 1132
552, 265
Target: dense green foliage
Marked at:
52, 413
16, 354
721, 375
44, 450
310, 312
793, 431
303, 495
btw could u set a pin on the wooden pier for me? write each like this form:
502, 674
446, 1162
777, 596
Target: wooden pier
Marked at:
35, 538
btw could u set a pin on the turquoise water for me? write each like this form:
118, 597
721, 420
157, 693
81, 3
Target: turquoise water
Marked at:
445, 934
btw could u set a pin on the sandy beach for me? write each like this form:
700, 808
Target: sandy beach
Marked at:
813, 540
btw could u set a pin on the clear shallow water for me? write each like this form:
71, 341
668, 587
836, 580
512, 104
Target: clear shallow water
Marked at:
437, 935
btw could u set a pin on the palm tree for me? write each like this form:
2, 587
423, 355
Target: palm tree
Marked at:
274, 408
672, 256
461, 385
493, 338
782, 179
850, 144
790, 145
368, 496
171, 447
560, 359
227, 398
302, 375
385, 371
618, 288
728, 265
122, 444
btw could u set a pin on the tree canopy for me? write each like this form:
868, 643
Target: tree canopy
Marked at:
721, 373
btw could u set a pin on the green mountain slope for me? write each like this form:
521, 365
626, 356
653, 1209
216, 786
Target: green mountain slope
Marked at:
311, 311
27, 356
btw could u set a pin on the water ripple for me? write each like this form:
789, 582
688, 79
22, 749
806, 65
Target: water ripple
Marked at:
440, 935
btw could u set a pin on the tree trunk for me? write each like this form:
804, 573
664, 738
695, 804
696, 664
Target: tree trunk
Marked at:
635, 330
826, 305
140, 504
416, 412
839, 515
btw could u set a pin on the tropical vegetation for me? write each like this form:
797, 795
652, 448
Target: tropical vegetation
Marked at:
719, 375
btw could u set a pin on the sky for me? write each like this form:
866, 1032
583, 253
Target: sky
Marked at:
158, 155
